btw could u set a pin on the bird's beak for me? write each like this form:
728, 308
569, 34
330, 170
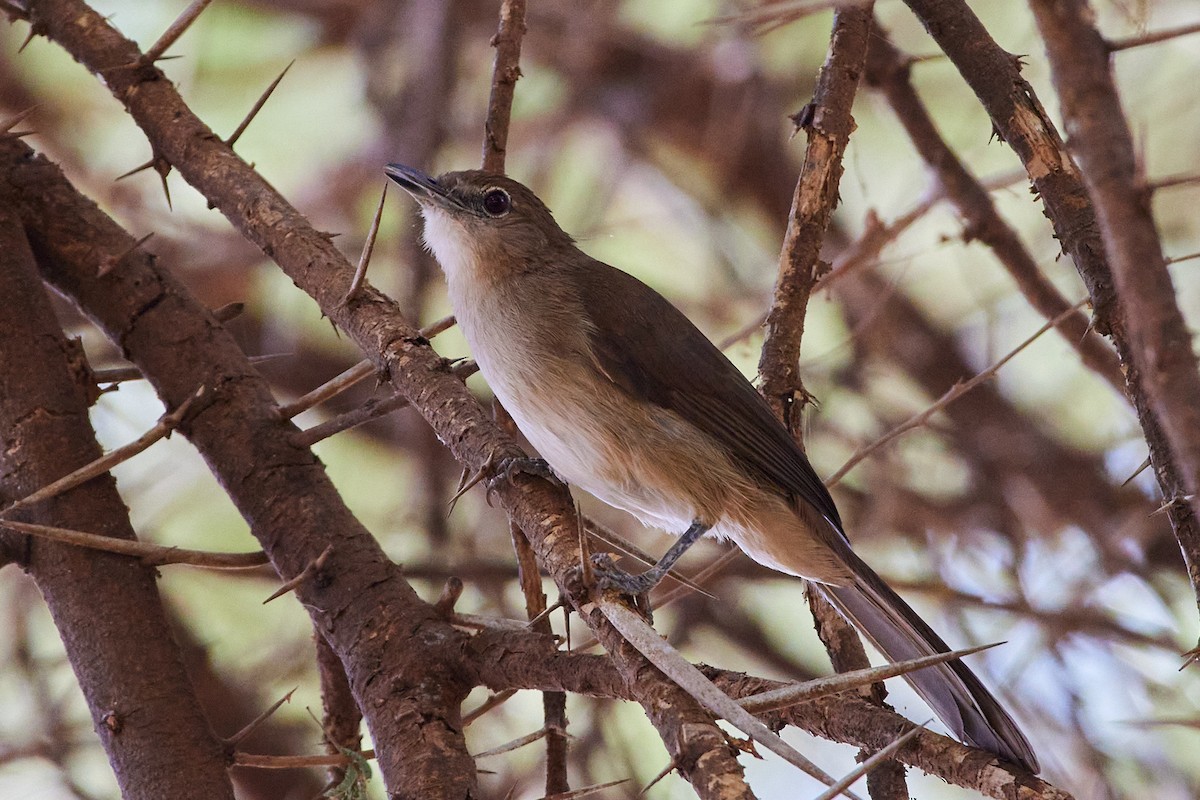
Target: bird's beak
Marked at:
424, 189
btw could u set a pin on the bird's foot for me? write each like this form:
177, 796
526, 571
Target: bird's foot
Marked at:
609, 576
606, 576
505, 468
497, 469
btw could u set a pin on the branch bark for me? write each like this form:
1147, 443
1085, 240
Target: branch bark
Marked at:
697, 746
1021, 121
505, 73
106, 607
888, 72
828, 123
359, 601
1159, 347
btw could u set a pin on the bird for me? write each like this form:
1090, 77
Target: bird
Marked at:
624, 397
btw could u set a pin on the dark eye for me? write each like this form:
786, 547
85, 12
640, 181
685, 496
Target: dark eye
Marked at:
496, 202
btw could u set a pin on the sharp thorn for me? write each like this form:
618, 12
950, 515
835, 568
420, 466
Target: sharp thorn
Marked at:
262, 100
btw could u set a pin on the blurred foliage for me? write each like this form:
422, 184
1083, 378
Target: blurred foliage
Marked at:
1095, 619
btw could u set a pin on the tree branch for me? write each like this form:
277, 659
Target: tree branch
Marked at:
505, 73
106, 607
360, 603
1021, 121
888, 72
828, 124
1159, 343
543, 511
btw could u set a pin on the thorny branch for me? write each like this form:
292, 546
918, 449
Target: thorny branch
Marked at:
888, 72
1023, 124
505, 73
828, 124
617, 55
107, 608
374, 323
1159, 346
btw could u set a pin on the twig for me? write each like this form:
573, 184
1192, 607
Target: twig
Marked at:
876, 235
439, 326
852, 721
828, 123
871, 763
162, 429
647, 641
699, 579
1171, 181
16, 119
1153, 37
132, 373
955, 392
256, 761
584, 791
153, 554
354, 375
452, 590
505, 72
554, 704
331, 388
372, 409
800, 692
494, 701
769, 16
515, 744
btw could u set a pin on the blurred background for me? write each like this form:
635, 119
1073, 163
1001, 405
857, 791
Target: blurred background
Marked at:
661, 140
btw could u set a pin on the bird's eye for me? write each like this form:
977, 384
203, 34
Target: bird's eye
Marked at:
496, 202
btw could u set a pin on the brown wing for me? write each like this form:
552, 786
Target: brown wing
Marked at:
650, 349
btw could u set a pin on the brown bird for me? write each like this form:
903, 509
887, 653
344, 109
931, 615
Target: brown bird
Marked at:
624, 397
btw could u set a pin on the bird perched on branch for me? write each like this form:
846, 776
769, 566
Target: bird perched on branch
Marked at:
624, 397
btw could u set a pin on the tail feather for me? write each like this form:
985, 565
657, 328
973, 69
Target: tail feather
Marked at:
954, 692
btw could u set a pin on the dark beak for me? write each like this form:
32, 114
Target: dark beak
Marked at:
424, 189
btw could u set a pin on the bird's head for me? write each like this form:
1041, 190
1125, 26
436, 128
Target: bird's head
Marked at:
479, 224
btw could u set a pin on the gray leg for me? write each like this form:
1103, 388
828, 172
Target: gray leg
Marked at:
609, 576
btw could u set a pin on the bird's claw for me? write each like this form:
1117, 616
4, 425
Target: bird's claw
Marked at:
505, 468
609, 576
495, 470
606, 576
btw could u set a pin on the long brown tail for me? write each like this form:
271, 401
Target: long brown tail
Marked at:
954, 693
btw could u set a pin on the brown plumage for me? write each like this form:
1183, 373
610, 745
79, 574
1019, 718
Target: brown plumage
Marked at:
627, 399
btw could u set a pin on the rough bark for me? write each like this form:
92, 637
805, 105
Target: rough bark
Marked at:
106, 606
410, 695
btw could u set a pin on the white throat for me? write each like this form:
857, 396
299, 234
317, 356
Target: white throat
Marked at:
450, 244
